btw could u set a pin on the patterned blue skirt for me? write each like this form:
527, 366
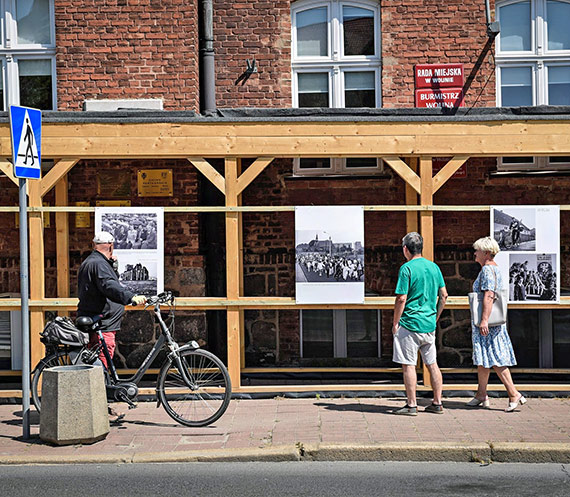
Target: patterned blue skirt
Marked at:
495, 349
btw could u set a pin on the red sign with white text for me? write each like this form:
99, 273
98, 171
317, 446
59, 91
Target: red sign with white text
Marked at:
439, 76
432, 98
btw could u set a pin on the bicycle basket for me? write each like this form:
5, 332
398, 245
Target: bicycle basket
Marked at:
62, 331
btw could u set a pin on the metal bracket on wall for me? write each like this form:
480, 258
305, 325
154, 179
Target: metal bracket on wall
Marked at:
251, 68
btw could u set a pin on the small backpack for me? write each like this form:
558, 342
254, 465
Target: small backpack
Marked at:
62, 331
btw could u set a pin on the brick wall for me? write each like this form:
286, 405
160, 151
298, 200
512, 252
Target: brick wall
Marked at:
111, 49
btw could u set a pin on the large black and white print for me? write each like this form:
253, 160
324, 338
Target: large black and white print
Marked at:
514, 228
139, 245
329, 254
533, 277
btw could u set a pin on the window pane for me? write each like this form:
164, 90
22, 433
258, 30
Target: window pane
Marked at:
558, 15
561, 338
313, 89
33, 20
358, 31
1, 92
518, 160
559, 85
362, 162
318, 333
523, 330
515, 27
516, 86
36, 84
359, 89
312, 32
361, 333
310, 163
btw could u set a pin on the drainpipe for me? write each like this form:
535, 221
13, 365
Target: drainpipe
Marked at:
207, 72
493, 28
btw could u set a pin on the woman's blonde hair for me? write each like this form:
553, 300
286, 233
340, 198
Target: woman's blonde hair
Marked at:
487, 244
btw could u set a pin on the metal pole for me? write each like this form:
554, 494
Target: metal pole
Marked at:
24, 292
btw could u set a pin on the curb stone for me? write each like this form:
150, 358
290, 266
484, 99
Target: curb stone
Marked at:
530, 452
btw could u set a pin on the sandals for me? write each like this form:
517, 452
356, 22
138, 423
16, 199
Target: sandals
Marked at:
514, 405
475, 402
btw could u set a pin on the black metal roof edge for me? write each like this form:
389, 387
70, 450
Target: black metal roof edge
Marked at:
309, 115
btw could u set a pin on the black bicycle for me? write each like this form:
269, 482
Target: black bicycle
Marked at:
193, 385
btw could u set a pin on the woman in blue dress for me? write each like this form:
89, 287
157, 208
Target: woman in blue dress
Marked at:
492, 347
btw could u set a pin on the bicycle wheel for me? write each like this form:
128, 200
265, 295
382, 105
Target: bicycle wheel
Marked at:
205, 399
60, 358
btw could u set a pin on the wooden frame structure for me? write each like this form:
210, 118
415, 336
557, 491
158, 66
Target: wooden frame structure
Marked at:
406, 145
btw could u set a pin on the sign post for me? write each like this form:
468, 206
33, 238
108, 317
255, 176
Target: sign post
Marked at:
26, 131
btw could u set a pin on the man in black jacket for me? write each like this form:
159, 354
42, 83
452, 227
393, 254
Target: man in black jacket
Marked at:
100, 292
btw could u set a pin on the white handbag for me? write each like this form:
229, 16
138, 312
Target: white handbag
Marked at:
498, 314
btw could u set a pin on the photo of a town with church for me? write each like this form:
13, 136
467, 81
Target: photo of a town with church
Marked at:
322, 258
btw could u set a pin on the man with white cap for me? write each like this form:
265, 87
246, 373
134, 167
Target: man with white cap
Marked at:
100, 292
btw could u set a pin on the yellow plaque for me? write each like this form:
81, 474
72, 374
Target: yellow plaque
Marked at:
82, 219
114, 183
112, 203
155, 183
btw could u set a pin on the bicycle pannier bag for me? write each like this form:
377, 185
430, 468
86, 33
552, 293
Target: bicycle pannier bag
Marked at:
62, 331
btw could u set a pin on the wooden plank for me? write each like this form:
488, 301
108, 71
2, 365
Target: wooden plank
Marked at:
58, 171
37, 270
211, 174
426, 199
233, 255
8, 170
412, 199
240, 277
62, 240
252, 172
404, 171
448, 171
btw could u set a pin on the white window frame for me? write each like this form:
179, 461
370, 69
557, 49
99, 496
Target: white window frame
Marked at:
11, 52
540, 59
340, 344
336, 64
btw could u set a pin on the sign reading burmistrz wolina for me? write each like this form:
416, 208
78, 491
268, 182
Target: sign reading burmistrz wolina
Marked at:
439, 85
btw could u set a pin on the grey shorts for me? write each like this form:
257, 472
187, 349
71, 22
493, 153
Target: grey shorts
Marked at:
408, 343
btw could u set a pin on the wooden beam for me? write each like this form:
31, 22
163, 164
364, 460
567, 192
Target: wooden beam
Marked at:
252, 172
412, 199
208, 170
240, 277
58, 171
404, 171
8, 170
448, 171
62, 240
426, 199
233, 255
37, 270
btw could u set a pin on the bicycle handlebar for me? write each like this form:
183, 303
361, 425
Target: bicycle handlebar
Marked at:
162, 298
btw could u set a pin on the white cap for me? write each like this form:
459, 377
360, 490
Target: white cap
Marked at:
103, 237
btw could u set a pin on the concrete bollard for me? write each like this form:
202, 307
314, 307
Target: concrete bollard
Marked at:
74, 405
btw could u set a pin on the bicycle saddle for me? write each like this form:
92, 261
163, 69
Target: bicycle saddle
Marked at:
84, 322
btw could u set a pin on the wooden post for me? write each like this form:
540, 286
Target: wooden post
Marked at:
233, 271
62, 240
240, 266
412, 199
37, 270
426, 222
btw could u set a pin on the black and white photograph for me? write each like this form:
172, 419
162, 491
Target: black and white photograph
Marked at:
139, 245
132, 231
329, 254
533, 277
138, 275
514, 228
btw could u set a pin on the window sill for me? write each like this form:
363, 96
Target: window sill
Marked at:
333, 177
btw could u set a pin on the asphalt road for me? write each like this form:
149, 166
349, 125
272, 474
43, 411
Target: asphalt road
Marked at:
314, 479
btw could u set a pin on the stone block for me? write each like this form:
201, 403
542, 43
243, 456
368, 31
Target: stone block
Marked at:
74, 405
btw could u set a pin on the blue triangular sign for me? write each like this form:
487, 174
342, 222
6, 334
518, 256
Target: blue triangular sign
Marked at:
26, 131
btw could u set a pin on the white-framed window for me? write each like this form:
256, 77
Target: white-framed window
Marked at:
533, 65
350, 333
336, 63
27, 53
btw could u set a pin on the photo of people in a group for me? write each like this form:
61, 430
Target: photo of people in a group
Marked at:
329, 254
515, 229
139, 245
532, 277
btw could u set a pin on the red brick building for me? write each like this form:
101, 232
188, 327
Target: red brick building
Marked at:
112, 55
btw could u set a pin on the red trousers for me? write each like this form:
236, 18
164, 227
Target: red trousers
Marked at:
109, 338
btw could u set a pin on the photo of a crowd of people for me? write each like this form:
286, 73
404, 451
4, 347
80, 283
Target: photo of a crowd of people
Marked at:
131, 231
532, 277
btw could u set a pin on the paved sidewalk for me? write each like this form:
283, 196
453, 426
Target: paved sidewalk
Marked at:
315, 429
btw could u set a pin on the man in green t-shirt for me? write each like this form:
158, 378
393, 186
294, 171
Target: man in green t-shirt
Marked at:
420, 299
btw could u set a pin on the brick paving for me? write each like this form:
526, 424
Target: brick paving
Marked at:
249, 424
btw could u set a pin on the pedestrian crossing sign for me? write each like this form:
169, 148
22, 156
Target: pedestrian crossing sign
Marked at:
26, 131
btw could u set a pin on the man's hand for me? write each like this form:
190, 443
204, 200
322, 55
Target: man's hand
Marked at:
138, 299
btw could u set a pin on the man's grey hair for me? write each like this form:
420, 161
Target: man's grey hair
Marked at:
413, 242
